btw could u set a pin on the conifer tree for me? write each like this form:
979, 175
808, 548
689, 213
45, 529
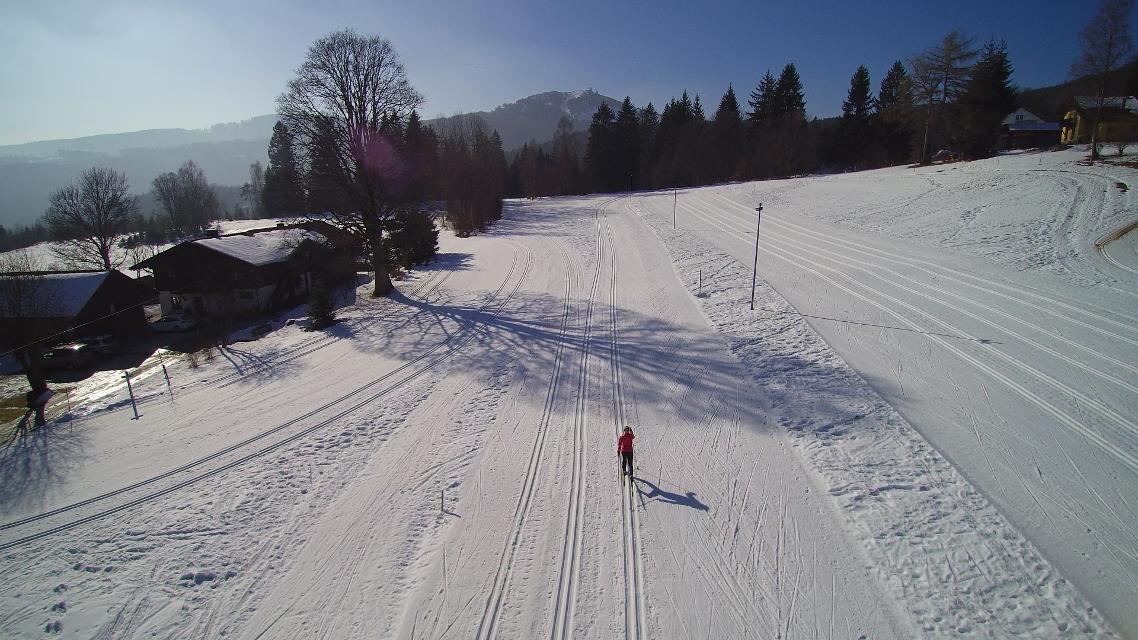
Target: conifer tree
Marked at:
894, 113
283, 193
854, 135
601, 149
789, 101
566, 179
649, 124
987, 99
762, 101
726, 136
627, 128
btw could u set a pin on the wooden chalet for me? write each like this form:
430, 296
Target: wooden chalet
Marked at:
249, 273
72, 303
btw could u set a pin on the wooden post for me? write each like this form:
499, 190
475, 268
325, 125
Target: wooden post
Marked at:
755, 272
130, 390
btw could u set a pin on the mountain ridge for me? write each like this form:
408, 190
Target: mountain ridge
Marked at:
30, 171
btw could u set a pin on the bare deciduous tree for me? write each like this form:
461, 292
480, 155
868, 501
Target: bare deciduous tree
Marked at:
939, 76
1106, 44
88, 218
186, 198
347, 89
251, 191
26, 297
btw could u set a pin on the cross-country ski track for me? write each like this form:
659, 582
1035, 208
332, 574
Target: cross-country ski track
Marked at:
928, 427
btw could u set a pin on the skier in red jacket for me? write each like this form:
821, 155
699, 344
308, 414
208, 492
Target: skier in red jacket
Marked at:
624, 450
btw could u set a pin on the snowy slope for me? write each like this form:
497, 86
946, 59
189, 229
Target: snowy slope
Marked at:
972, 298
442, 462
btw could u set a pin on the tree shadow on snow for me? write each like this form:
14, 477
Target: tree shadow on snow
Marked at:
32, 464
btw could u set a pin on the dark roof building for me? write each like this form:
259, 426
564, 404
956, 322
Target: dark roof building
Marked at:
250, 272
80, 302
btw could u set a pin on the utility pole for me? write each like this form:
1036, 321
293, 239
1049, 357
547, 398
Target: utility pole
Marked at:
675, 197
755, 273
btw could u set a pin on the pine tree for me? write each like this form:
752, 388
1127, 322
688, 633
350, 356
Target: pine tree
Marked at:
627, 129
762, 101
789, 100
649, 124
726, 136
283, 193
854, 134
601, 149
895, 113
987, 99
566, 165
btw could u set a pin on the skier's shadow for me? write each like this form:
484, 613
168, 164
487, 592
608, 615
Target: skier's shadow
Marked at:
684, 500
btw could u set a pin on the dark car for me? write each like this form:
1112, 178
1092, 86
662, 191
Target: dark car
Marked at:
172, 323
68, 356
104, 345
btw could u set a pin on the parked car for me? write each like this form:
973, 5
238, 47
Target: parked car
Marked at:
104, 345
67, 356
169, 324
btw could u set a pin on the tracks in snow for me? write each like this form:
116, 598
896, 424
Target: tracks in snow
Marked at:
30, 529
635, 610
488, 626
563, 606
1121, 434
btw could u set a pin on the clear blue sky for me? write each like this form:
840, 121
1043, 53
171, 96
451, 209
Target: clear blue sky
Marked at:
74, 68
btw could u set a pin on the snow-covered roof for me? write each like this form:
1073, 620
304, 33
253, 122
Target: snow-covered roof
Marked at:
1129, 103
63, 295
259, 249
1021, 115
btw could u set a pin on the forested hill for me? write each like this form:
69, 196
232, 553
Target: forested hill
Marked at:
1046, 102
31, 171
535, 118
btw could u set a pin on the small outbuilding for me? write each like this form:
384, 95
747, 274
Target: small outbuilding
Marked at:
56, 303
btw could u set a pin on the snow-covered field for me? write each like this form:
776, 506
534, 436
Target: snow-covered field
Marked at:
442, 463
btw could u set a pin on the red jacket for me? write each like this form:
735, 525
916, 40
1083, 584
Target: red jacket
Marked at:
624, 443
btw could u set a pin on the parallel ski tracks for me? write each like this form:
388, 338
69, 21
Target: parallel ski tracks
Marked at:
565, 602
144, 491
488, 626
565, 597
635, 610
1124, 427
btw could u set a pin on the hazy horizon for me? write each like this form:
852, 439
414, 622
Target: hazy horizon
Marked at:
122, 66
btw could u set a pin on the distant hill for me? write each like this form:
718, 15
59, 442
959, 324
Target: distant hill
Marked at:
535, 118
1045, 102
258, 128
31, 171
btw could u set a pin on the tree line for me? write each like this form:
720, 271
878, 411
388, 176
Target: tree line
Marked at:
951, 96
349, 148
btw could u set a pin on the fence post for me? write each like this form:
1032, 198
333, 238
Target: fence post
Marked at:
130, 390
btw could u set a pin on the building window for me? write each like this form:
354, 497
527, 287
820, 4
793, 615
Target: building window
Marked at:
1019, 117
